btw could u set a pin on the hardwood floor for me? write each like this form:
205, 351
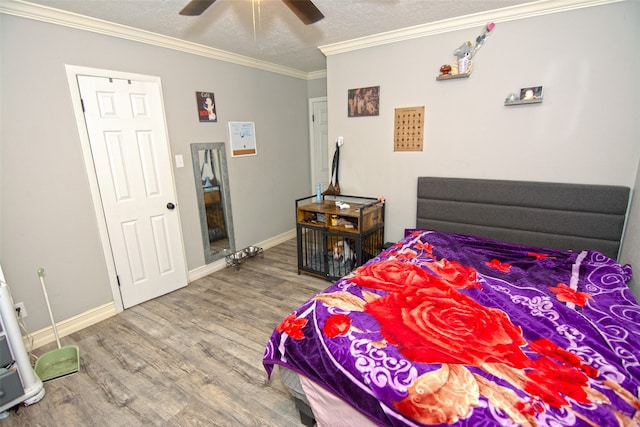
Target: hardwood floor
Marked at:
189, 358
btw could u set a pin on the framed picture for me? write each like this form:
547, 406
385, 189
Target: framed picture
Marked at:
530, 93
243, 139
206, 107
364, 101
409, 129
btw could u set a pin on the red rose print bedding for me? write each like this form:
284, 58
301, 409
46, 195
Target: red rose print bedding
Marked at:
452, 329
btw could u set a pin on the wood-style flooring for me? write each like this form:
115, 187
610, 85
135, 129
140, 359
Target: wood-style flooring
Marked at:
189, 358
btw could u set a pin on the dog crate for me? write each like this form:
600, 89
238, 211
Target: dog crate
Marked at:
334, 239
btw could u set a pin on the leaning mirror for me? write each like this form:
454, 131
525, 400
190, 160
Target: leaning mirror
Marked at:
214, 203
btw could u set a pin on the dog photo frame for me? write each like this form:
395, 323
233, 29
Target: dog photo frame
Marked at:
530, 93
363, 101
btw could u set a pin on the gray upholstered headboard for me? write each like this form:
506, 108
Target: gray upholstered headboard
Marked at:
542, 214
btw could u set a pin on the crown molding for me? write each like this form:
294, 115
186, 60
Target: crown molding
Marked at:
528, 10
321, 74
58, 17
72, 20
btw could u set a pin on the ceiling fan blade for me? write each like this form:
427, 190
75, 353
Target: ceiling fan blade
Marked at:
305, 10
196, 7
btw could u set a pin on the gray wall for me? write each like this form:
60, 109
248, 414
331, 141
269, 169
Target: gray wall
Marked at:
47, 217
586, 130
317, 87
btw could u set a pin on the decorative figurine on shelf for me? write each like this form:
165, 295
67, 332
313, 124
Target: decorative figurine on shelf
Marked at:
445, 70
465, 53
463, 59
482, 38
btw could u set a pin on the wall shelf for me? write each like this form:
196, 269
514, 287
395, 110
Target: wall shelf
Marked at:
523, 102
452, 76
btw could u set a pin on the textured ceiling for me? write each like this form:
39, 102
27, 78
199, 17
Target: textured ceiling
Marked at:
267, 30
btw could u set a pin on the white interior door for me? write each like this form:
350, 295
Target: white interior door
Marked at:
127, 134
319, 140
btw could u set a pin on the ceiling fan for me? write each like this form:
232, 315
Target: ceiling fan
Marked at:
304, 9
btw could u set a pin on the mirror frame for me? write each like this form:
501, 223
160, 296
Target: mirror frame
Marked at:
226, 196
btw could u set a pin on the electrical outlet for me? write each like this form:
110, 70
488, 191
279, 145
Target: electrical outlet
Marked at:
21, 312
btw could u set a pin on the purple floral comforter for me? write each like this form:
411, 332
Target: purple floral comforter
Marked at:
451, 329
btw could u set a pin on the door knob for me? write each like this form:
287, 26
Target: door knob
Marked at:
171, 206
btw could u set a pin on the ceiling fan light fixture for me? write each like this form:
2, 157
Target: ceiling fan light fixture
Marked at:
196, 7
305, 10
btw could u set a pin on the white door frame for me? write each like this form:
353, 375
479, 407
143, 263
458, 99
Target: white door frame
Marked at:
312, 142
72, 71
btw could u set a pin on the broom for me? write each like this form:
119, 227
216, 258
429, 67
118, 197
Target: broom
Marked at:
59, 362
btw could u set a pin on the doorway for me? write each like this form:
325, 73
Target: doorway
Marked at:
319, 136
122, 128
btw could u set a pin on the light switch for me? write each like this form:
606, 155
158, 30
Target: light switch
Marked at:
179, 161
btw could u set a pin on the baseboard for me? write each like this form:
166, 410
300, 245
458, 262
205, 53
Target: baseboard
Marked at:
73, 324
276, 240
207, 269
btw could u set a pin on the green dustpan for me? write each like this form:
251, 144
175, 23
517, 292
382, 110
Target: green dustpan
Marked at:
61, 361
58, 363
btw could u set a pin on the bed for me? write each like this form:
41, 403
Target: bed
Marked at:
504, 305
